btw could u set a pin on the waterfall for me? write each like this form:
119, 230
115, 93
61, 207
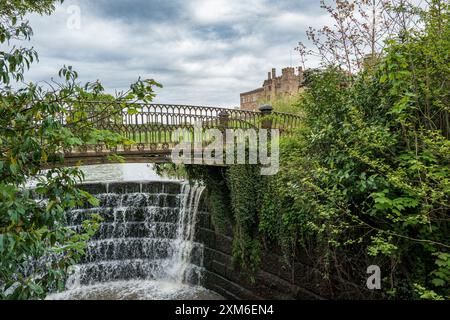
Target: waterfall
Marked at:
184, 241
148, 233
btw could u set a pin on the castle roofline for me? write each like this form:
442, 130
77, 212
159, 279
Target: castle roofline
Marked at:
252, 91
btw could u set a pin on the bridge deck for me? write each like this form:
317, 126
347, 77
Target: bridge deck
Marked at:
150, 127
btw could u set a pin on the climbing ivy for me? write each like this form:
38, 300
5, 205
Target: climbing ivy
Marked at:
234, 196
247, 188
217, 192
366, 179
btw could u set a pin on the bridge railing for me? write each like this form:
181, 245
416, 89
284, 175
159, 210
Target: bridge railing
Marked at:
151, 126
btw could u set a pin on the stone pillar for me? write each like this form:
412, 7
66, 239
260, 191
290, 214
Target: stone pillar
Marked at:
266, 111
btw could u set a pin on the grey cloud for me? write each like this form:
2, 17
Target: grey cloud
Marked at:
136, 11
201, 54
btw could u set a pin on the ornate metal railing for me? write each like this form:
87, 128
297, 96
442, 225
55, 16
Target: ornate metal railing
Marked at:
150, 126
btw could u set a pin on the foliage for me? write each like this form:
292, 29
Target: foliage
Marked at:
366, 178
217, 195
370, 171
232, 200
36, 125
284, 103
247, 189
356, 37
170, 170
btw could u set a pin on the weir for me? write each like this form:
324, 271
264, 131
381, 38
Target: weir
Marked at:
144, 248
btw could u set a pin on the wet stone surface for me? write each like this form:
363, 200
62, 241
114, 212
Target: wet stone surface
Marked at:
145, 247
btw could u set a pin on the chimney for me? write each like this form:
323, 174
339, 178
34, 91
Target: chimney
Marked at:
274, 73
268, 75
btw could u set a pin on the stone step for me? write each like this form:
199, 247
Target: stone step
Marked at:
130, 214
135, 200
130, 269
136, 248
110, 230
171, 187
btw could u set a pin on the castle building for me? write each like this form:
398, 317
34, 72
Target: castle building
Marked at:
286, 84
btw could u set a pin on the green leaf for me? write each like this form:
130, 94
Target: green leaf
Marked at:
93, 201
438, 282
383, 78
1, 243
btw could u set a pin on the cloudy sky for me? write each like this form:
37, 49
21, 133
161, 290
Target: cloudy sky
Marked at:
204, 52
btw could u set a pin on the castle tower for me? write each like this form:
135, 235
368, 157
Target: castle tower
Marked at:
288, 83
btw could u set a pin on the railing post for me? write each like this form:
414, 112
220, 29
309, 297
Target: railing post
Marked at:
224, 117
266, 111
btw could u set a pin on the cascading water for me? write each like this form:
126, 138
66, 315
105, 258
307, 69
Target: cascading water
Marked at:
145, 247
179, 266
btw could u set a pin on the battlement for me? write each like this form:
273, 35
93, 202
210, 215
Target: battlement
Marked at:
288, 83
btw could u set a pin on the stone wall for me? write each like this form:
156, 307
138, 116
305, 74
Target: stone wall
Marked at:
274, 86
276, 278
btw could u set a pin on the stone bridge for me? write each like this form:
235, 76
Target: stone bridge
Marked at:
149, 128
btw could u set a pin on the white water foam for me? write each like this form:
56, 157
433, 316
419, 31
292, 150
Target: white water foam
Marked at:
184, 242
145, 249
137, 290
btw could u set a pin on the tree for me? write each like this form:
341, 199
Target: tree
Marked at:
373, 157
36, 248
358, 33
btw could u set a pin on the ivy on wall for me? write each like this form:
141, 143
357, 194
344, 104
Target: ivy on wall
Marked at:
365, 180
234, 196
